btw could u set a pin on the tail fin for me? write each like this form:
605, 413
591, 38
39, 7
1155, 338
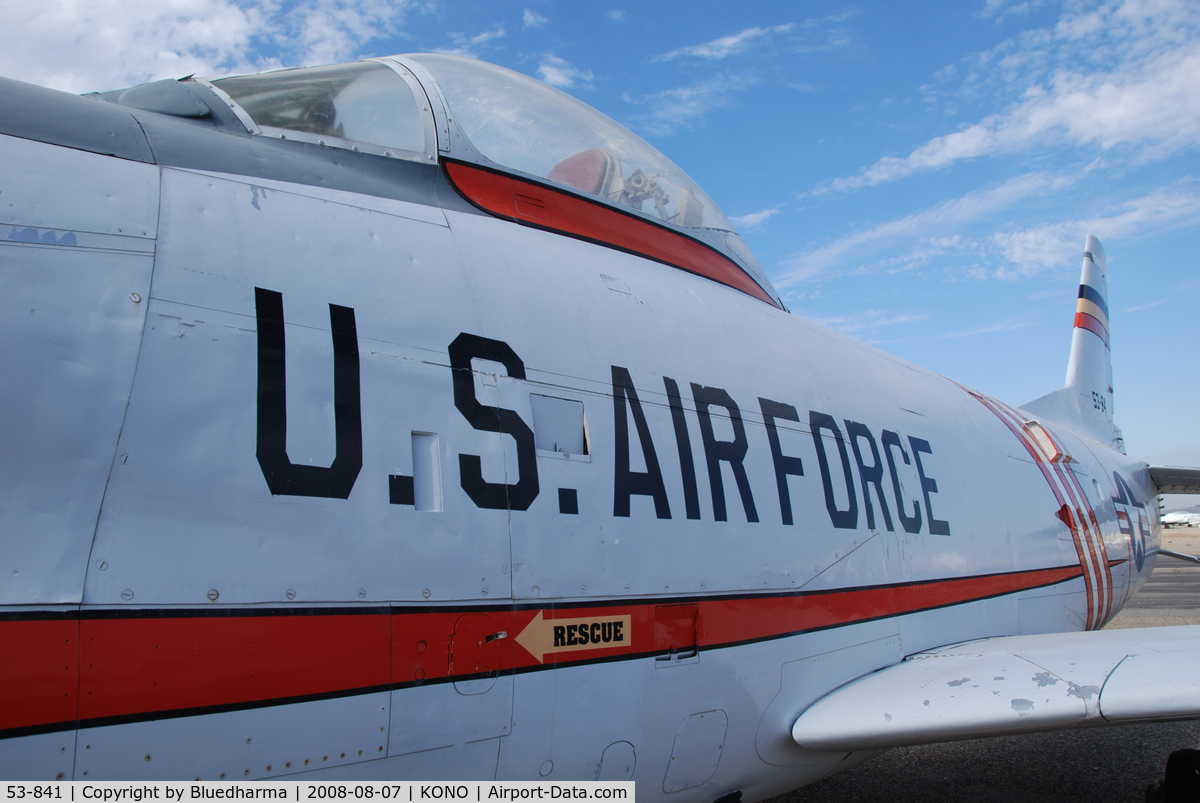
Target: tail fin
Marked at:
1085, 404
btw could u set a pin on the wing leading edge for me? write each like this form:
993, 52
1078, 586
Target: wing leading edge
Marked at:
1010, 685
1176, 479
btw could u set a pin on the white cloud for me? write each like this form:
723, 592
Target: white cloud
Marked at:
1055, 246
754, 220
865, 320
470, 45
1141, 307
673, 109
616, 15
999, 9
725, 46
928, 223
333, 30
93, 51
926, 251
1006, 325
559, 72
108, 44
532, 19
922, 237
832, 35
1119, 76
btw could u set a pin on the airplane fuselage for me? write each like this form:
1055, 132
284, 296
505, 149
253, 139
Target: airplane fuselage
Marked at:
348, 476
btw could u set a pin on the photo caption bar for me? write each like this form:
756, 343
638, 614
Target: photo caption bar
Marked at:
300, 791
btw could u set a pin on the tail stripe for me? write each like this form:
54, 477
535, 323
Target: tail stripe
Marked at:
1096, 542
1092, 539
1085, 321
1086, 307
1089, 293
1107, 562
1074, 508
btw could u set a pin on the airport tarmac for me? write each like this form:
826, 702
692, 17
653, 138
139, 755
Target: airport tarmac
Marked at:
1101, 764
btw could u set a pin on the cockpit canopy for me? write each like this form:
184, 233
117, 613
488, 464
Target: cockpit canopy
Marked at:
525, 124
369, 103
511, 119
412, 107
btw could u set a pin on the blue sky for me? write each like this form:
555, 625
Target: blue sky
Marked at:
919, 176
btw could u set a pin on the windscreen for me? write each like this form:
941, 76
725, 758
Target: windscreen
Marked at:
522, 123
365, 102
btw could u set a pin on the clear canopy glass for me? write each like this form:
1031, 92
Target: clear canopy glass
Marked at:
524, 124
365, 102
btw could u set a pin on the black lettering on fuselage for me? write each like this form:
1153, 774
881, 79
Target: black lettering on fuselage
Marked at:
626, 482
716, 452
869, 475
911, 524
785, 466
687, 466
492, 495
842, 519
283, 477
928, 486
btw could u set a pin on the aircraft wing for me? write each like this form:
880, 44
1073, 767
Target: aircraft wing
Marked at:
1176, 479
1014, 684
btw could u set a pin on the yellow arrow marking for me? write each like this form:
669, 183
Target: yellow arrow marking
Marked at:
542, 637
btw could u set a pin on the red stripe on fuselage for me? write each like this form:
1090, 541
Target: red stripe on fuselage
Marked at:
142, 664
547, 208
39, 672
138, 665
760, 618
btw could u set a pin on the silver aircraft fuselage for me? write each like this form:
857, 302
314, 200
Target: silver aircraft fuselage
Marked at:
314, 462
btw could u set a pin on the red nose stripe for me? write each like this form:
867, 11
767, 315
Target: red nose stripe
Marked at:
545, 208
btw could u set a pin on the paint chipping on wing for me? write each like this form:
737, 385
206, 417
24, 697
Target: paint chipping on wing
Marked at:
1044, 679
959, 682
1021, 704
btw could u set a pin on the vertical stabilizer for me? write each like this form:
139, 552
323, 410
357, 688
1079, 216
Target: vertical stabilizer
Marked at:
1085, 403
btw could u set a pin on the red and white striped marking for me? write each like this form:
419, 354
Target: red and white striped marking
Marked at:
1074, 509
